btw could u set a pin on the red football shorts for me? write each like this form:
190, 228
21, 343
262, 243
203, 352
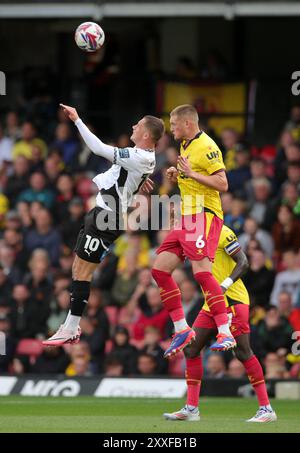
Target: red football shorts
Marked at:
239, 320
197, 237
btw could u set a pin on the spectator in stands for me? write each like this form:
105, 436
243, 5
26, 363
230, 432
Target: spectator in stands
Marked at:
235, 218
274, 369
27, 315
146, 365
285, 232
19, 179
215, 366
238, 177
251, 231
81, 367
96, 313
20, 365
286, 309
51, 361
59, 311
230, 146
72, 224
260, 207
28, 139
126, 279
123, 351
95, 334
38, 280
156, 315
38, 191
67, 144
113, 367
258, 170
289, 196
80, 360
66, 192
236, 369
10, 344
274, 332
23, 210
13, 238
287, 280
5, 288
53, 167
9, 264
12, 126
44, 235
293, 174
152, 347
227, 200
293, 124
259, 279
138, 301
286, 139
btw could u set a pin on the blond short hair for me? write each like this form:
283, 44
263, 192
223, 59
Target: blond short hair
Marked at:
186, 110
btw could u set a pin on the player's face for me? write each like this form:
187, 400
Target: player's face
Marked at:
178, 127
138, 131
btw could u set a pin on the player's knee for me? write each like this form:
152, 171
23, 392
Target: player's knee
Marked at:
191, 351
82, 271
243, 353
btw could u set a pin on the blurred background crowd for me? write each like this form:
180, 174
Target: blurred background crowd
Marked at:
45, 190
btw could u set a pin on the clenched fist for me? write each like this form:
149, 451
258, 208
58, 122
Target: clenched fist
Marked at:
172, 174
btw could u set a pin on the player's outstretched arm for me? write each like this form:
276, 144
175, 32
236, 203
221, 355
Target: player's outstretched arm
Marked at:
238, 271
93, 142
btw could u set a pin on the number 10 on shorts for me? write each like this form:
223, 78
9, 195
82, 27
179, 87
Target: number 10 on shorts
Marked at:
91, 244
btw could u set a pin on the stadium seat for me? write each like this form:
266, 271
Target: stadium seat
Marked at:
30, 347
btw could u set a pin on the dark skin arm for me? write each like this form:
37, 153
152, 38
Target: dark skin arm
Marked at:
241, 267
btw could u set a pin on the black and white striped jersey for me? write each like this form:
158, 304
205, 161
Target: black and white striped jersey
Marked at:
131, 167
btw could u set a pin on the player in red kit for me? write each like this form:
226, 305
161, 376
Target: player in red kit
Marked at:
201, 177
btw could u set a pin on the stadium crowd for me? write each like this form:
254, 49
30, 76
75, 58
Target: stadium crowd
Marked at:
45, 190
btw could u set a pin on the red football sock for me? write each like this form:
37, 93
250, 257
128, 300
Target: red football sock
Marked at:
169, 293
257, 380
193, 375
214, 297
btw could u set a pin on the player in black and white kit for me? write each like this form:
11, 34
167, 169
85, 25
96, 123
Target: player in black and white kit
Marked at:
117, 187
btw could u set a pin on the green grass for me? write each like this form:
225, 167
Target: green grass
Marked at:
100, 415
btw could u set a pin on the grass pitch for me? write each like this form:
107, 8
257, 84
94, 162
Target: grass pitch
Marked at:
108, 415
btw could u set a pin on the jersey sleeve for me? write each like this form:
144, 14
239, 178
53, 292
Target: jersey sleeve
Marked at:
230, 243
94, 143
212, 160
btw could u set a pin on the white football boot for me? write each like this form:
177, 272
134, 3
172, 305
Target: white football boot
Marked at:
63, 336
185, 414
263, 415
